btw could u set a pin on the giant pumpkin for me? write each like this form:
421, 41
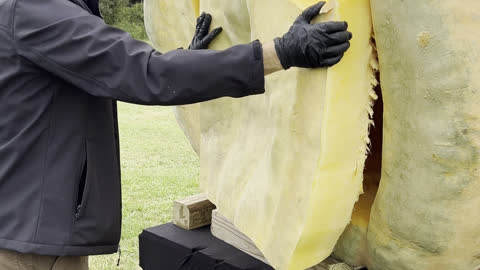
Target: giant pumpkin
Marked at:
296, 170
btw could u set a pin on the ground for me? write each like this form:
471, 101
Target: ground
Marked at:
158, 166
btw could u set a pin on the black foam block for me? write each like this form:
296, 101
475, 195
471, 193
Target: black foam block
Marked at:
168, 247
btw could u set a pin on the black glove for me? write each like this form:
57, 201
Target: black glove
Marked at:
313, 45
202, 38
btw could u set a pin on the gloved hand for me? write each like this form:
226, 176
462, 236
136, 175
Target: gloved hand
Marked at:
202, 38
313, 45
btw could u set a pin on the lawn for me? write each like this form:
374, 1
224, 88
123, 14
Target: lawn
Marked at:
158, 166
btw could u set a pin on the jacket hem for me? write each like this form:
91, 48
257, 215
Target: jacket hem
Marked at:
54, 250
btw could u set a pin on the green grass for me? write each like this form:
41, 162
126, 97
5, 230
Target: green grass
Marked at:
158, 166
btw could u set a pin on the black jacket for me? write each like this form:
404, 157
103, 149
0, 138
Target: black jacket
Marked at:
61, 71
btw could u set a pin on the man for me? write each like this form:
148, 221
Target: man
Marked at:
61, 71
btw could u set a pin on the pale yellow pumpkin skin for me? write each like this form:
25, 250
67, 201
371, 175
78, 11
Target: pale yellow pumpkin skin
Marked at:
426, 213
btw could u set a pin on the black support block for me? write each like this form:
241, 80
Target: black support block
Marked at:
168, 247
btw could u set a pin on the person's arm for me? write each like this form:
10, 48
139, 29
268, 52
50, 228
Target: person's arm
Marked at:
271, 63
304, 45
202, 39
81, 49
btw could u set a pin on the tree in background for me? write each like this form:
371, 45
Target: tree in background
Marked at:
126, 15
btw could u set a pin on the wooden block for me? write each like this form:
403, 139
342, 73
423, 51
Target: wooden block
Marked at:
192, 212
224, 230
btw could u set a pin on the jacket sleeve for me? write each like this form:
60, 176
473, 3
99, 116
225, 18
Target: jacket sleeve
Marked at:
63, 39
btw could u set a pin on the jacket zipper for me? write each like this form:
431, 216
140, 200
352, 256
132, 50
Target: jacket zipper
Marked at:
119, 250
82, 186
77, 212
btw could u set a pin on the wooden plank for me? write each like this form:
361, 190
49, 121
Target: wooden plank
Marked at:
224, 230
192, 212
332, 263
